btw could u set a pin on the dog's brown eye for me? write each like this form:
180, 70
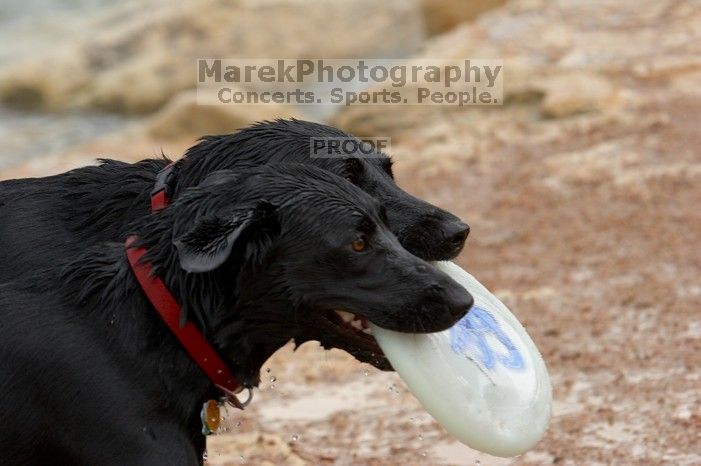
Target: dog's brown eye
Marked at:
359, 244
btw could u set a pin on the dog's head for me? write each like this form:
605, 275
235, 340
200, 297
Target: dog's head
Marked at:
423, 229
306, 256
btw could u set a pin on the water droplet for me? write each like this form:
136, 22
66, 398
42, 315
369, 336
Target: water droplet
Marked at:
411, 419
295, 437
205, 455
273, 379
243, 460
366, 372
421, 437
219, 371
477, 462
424, 454
238, 423
268, 370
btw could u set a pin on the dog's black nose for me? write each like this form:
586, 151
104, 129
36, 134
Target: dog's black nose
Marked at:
460, 303
455, 234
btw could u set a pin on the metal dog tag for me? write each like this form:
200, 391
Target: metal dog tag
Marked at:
210, 416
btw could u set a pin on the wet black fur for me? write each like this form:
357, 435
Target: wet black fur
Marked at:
43, 220
89, 374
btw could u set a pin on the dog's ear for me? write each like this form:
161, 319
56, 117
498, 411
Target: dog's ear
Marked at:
211, 241
354, 169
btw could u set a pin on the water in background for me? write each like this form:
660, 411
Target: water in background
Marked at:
24, 136
26, 26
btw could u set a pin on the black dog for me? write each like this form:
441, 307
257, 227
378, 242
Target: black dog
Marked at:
90, 374
45, 220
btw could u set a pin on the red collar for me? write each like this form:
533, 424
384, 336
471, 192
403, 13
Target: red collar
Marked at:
189, 336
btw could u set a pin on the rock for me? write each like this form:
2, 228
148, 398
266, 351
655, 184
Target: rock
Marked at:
575, 93
49, 83
442, 15
184, 117
136, 87
556, 63
133, 59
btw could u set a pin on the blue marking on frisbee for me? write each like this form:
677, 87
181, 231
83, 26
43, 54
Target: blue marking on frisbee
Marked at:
469, 336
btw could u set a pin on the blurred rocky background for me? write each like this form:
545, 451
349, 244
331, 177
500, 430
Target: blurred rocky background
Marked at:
583, 192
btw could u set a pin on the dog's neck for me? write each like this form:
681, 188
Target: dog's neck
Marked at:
230, 313
102, 288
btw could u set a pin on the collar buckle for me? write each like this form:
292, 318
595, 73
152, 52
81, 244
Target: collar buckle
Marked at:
163, 188
231, 398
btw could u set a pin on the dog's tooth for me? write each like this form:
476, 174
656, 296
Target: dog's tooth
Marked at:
346, 316
356, 324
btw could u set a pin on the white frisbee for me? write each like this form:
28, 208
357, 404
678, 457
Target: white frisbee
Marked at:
483, 379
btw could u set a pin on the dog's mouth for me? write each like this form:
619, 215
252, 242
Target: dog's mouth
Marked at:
351, 333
